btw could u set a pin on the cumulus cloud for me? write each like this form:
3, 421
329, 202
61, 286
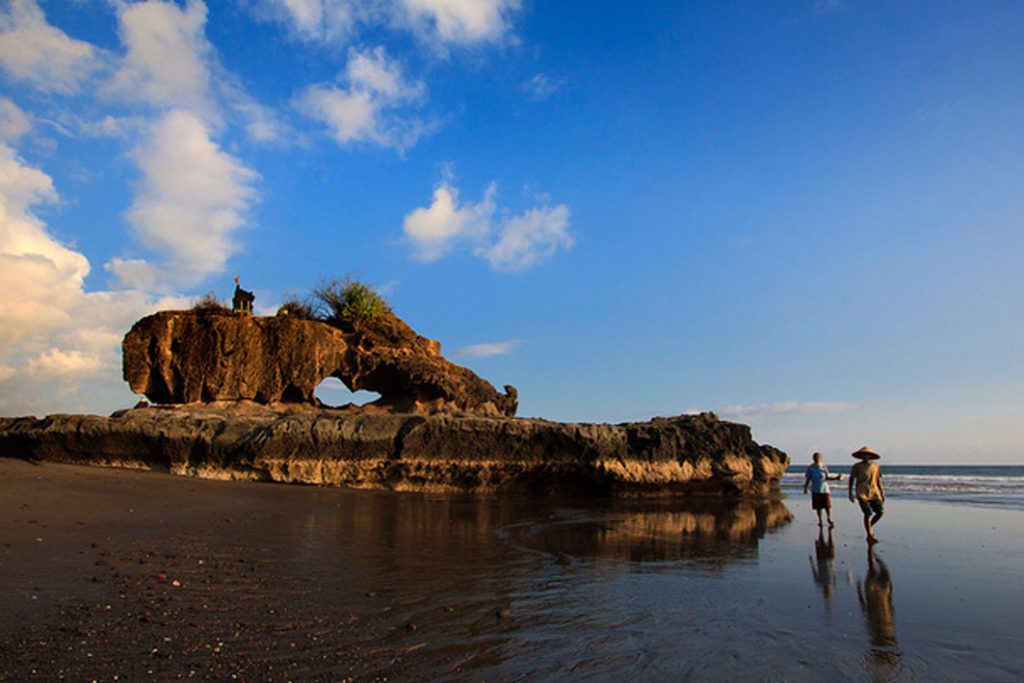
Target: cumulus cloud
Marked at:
488, 349
14, 122
755, 412
29, 256
529, 238
192, 198
330, 21
507, 242
439, 22
367, 108
460, 21
59, 363
436, 229
32, 50
167, 54
54, 334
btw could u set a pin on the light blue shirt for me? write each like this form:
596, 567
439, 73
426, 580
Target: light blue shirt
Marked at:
818, 476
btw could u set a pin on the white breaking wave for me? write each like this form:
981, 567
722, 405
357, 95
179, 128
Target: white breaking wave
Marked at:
1006, 490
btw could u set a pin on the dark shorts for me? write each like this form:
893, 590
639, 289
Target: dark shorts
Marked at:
821, 501
871, 507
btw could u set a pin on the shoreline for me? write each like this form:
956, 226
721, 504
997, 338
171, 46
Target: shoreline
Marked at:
312, 583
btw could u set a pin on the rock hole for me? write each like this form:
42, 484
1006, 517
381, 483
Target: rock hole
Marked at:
333, 393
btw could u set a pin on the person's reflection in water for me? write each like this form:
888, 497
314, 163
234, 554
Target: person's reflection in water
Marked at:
875, 594
823, 565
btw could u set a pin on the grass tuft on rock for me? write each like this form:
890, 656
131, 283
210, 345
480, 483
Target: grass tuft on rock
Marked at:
298, 308
348, 302
209, 303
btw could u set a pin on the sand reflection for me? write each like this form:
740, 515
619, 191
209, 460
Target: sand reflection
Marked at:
711, 532
823, 566
884, 658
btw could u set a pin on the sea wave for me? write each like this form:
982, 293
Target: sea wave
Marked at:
1004, 489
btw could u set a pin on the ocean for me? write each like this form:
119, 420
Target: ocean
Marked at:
988, 486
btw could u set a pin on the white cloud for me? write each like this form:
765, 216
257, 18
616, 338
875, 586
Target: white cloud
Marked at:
169, 63
488, 349
32, 50
261, 123
540, 87
329, 21
436, 229
366, 110
38, 275
14, 122
54, 335
191, 199
508, 243
743, 412
167, 59
373, 71
439, 22
531, 237
58, 363
121, 127
460, 21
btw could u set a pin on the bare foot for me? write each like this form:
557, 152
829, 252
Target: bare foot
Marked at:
831, 525
872, 540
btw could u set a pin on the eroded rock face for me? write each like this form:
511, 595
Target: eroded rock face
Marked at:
176, 357
686, 454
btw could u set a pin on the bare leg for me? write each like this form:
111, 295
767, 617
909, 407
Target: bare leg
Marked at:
867, 527
828, 513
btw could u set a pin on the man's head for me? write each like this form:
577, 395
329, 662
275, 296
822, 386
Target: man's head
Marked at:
816, 458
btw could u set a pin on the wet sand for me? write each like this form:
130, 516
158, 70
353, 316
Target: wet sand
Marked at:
141, 575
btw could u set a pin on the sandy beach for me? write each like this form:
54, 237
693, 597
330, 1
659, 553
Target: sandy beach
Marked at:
122, 575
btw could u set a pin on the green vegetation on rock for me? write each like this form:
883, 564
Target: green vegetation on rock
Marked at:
345, 304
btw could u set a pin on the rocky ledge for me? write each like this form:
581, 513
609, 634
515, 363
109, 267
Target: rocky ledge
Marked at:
685, 454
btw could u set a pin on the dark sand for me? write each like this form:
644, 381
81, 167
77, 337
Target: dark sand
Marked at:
139, 575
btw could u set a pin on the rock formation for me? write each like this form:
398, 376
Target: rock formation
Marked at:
200, 356
242, 389
686, 454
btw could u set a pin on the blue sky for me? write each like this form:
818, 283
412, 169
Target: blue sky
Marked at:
806, 216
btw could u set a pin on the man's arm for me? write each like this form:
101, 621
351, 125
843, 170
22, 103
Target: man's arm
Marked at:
807, 480
849, 487
880, 489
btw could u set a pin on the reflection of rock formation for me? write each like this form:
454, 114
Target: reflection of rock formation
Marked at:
823, 566
693, 453
875, 595
708, 531
204, 356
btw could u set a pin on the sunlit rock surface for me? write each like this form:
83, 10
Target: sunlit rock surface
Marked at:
686, 454
183, 357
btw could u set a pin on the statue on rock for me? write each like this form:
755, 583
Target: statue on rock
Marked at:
242, 301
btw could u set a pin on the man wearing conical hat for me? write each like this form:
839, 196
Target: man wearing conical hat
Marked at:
866, 482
